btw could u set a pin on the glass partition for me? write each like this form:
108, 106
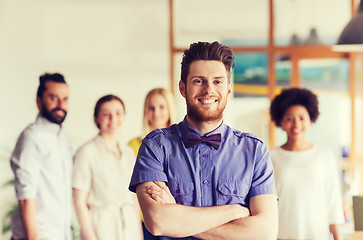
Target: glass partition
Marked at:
250, 74
283, 70
325, 74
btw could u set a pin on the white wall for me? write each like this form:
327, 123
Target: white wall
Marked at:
101, 47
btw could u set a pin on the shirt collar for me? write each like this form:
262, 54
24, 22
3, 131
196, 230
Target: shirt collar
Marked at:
53, 127
101, 142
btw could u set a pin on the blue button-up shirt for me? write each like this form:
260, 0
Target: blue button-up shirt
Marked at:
201, 175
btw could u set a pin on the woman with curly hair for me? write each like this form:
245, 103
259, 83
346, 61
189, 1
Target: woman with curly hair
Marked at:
306, 174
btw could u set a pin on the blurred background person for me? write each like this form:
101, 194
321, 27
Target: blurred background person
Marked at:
159, 112
306, 174
102, 168
42, 166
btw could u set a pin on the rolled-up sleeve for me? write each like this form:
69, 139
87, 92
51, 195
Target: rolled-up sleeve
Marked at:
81, 175
149, 164
26, 164
263, 177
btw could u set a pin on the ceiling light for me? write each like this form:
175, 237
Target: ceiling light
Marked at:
351, 38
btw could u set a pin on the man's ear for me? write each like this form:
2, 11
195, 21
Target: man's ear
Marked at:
39, 103
182, 88
229, 88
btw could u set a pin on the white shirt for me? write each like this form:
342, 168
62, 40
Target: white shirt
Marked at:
307, 184
42, 165
105, 177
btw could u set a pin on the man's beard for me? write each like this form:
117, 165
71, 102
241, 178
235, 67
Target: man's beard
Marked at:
205, 116
49, 114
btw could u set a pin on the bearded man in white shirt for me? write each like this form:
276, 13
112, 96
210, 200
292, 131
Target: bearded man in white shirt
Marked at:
42, 165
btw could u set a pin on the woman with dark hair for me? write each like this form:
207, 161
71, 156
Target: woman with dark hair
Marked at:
105, 208
306, 175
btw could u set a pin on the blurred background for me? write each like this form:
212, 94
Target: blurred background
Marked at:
127, 47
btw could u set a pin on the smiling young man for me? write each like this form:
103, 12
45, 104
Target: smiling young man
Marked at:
201, 179
42, 165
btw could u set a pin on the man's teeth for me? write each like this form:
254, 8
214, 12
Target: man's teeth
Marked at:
208, 101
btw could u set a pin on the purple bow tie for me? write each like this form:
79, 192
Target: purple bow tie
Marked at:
194, 139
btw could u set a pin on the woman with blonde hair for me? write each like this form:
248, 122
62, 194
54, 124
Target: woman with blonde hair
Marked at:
159, 112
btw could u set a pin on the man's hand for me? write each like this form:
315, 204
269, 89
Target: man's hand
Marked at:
160, 193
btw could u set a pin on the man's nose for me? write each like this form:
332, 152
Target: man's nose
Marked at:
62, 104
208, 88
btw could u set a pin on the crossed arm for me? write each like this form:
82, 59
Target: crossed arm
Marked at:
164, 217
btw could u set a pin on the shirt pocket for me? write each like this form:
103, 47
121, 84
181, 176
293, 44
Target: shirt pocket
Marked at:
182, 190
233, 192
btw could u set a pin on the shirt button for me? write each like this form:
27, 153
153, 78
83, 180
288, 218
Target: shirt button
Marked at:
205, 182
235, 191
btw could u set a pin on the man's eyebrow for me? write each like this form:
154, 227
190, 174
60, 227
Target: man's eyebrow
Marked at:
197, 76
200, 76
